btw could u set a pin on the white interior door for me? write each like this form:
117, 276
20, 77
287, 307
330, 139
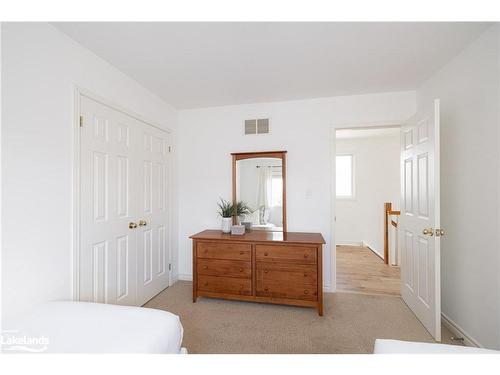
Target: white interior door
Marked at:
419, 223
107, 244
153, 234
116, 186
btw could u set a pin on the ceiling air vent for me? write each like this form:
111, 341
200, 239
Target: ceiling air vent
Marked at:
259, 126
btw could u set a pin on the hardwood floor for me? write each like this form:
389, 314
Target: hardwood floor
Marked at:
360, 270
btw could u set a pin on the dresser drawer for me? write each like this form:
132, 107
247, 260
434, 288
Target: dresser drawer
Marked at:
295, 254
278, 289
217, 250
222, 267
230, 285
287, 273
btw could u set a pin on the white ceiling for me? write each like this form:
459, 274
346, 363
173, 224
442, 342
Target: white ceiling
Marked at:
367, 133
193, 65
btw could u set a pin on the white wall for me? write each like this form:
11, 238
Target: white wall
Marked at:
469, 91
376, 179
498, 179
303, 128
1, 181
40, 65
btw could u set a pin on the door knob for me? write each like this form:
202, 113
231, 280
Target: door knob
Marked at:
429, 232
439, 232
132, 225
142, 223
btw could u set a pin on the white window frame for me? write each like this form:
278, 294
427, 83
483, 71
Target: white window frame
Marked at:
351, 197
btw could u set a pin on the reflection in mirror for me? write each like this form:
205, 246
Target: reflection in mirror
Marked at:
259, 183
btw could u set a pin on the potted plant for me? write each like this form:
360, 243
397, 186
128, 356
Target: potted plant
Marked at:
242, 209
226, 210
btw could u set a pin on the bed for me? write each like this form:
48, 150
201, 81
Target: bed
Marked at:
82, 327
409, 347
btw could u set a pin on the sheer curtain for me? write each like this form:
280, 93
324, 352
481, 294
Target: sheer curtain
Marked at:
264, 194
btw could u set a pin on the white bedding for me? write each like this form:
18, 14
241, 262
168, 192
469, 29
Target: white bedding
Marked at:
81, 327
409, 347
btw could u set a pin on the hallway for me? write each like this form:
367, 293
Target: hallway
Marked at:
360, 270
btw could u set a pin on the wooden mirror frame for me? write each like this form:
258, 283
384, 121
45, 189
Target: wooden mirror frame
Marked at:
265, 154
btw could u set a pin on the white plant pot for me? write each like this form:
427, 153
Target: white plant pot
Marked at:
226, 224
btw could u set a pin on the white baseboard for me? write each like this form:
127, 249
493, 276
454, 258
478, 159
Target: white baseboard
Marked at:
350, 243
185, 277
370, 247
459, 332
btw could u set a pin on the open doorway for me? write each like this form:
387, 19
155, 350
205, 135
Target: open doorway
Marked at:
367, 165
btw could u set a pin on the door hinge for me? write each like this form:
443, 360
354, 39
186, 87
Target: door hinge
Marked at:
170, 266
81, 121
169, 149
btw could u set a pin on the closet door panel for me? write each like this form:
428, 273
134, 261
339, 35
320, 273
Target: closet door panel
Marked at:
107, 258
153, 214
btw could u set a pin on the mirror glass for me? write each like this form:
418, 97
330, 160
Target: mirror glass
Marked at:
259, 183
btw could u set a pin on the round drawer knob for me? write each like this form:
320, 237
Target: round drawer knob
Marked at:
206, 284
306, 291
205, 267
241, 270
305, 274
242, 252
266, 254
266, 271
306, 256
266, 289
241, 287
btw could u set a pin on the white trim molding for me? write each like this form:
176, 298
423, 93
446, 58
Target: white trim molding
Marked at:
459, 332
184, 277
173, 280
350, 243
372, 249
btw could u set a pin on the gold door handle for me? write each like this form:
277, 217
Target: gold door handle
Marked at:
142, 223
439, 232
132, 225
429, 232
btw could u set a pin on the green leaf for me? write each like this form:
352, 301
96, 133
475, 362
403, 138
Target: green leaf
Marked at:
225, 208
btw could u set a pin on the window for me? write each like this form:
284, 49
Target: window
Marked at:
276, 191
344, 171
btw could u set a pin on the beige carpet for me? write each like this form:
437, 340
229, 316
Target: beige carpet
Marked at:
350, 325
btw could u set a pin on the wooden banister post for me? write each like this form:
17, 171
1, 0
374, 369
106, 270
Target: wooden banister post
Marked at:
387, 209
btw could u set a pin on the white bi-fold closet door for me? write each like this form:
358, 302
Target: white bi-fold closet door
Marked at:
124, 207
